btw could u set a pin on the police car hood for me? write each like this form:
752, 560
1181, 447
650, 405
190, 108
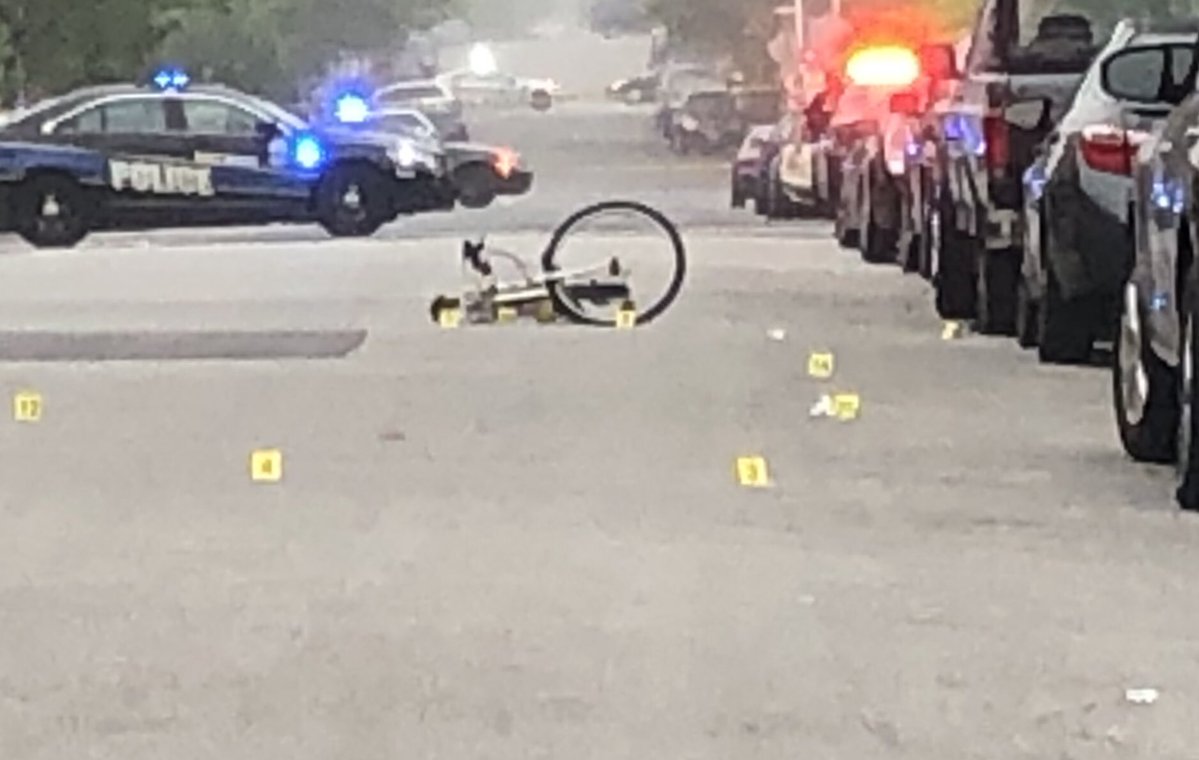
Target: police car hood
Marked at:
470, 150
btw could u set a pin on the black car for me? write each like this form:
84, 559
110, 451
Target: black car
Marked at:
167, 156
480, 173
706, 122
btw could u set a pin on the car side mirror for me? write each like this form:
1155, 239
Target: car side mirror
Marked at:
905, 104
1028, 114
1135, 74
939, 62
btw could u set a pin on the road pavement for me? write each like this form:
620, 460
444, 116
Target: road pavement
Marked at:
528, 542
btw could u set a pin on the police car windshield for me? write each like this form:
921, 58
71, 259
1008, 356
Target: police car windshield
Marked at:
276, 112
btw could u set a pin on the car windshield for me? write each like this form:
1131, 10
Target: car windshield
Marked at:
274, 111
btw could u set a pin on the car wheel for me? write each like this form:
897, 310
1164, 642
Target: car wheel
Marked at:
476, 186
52, 211
353, 200
1188, 438
1144, 390
1027, 317
1064, 326
954, 276
998, 275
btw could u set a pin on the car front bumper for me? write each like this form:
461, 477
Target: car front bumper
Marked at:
518, 182
425, 192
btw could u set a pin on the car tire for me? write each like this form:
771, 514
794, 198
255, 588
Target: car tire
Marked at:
354, 200
1187, 494
52, 211
1064, 334
998, 278
954, 278
1148, 422
1027, 315
475, 186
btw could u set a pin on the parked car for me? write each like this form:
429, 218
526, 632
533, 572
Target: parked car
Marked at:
500, 89
1021, 52
431, 98
634, 90
706, 122
1078, 245
479, 173
1153, 369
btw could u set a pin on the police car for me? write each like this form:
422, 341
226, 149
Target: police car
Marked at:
169, 155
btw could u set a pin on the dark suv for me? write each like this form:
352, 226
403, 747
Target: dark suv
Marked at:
1023, 54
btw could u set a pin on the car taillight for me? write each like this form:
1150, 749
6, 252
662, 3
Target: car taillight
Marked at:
505, 162
998, 143
1110, 149
888, 66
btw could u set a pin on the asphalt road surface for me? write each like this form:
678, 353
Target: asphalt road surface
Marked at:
528, 542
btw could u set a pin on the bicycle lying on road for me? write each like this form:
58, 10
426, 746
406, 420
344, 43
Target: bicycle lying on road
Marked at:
599, 291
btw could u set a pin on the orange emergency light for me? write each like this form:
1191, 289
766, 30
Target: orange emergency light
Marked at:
883, 66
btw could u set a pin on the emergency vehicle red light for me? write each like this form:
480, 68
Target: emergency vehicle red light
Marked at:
883, 67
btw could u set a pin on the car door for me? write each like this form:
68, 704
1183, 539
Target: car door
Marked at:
147, 169
227, 136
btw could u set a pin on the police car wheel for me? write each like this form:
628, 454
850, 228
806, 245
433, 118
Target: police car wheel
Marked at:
353, 201
52, 212
475, 186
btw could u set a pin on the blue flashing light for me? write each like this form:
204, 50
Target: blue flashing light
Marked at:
351, 109
308, 152
172, 79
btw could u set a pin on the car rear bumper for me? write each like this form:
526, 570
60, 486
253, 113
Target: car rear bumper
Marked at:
518, 182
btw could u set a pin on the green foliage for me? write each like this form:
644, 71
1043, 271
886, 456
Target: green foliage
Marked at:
49, 46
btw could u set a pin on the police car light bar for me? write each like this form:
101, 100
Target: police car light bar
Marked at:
351, 109
172, 79
884, 66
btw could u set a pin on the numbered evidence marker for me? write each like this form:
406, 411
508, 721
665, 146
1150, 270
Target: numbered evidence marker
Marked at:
266, 466
626, 318
27, 406
952, 330
847, 406
821, 365
506, 314
752, 472
449, 319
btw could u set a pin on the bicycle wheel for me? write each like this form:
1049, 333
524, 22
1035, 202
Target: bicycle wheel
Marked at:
614, 255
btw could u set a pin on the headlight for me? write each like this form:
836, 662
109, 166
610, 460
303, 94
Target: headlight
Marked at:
406, 154
690, 123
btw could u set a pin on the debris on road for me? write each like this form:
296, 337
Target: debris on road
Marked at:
841, 406
1141, 696
777, 334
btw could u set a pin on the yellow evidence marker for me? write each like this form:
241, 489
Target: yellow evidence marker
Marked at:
266, 466
626, 318
752, 472
449, 318
820, 366
506, 314
846, 406
27, 406
952, 331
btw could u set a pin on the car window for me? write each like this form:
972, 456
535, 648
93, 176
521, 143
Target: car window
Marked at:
129, 116
89, 122
212, 117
